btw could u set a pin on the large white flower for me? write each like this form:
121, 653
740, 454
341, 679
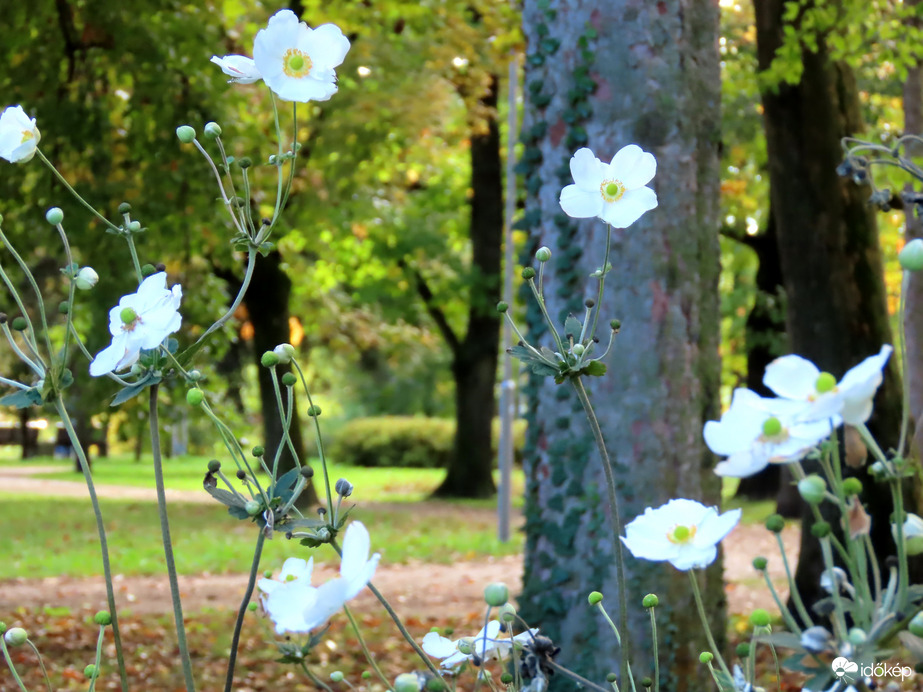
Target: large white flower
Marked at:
19, 137
684, 532
484, 645
796, 378
754, 432
294, 605
141, 320
240, 68
298, 62
615, 192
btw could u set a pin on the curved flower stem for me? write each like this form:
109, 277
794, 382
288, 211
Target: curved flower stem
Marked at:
796, 595
100, 532
224, 196
9, 663
618, 639
22, 308
365, 649
37, 368
582, 681
286, 419
783, 609
40, 303
238, 626
76, 195
704, 617
41, 664
905, 376
544, 308
654, 651
614, 519
136, 263
168, 543
403, 631
245, 284
602, 280
320, 440
321, 685
99, 653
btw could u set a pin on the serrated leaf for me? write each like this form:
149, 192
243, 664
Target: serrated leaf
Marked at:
300, 523
225, 497
285, 485
595, 368
22, 398
543, 370
572, 327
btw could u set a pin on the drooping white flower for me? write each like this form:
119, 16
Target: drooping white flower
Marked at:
684, 532
296, 61
294, 605
755, 431
615, 192
19, 137
796, 378
240, 68
482, 645
141, 320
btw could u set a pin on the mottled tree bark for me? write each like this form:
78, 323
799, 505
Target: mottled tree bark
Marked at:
605, 75
828, 246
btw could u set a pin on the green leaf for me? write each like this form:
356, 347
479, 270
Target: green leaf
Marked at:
285, 485
595, 368
133, 390
22, 398
572, 327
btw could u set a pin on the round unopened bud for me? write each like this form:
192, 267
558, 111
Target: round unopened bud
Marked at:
706, 657
194, 397
64, 307
134, 226
366, 675
337, 676
252, 507
19, 324
650, 601
502, 307
241, 474
435, 685
258, 451
103, 618
406, 682
916, 624
589, 303
314, 410
148, 269
212, 130
821, 529
611, 677
252, 606
759, 563
343, 488
496, 594
852, 486
775, 523
578, 349
543, 254
90, 670
185, 134
214, 466
743, 649
911, 256
3, 317
289, 379
812, 488
466, 645
857, 636
760, 618
528, 273
506, 678
615, 325
594, 598
194, 375
124, 208
86, 278
285, 352
307, 471
16, 636
54, 216
646, 682
507, 612
879, 468
269, 359
245, 162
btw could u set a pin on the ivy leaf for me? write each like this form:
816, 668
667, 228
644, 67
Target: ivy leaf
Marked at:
22, 398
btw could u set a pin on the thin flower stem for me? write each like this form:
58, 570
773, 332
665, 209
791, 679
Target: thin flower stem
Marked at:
286, 418
403, 630
775, 660
136, 263
224, 196
320, 439
316, 680
905, 376
903, 577
280, 181
39, 301
602, 280
100, 532
618, 639
70, 291
704, 617
168, 543
554, 332
9, 663
96, 661
365, 649
583, 682
655, 651
36, 368
614, 519
839, 622
76, 195
20, 305
238, 625
41, 664
783, 609
876, 572
13, 383
793, 587
245, 284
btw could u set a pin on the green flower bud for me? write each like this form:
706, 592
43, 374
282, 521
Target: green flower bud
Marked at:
214, 466
611, 677
289, 379
307, 471
465, 645
528, 273
759, 563
852, 486
124, 208
212, 130
857, 636
502, 307
86, 278
759, 618
650, 601
253, 507
185, 134
496, 594
343, 487
194, 397
19, 324
406, 682
135, 227
245, 162
337, 676
820, 529
812, 488
258, 451
646, 682
506, 678
103, 618
241, 474
507, 613
911, 256
2, 627
252, 606
269, 359
64, 307
706, 657
615, 325
16, 636
314, 411
916, 624
285, 352
594, 598
148, 269
194, 376
366, 675
54, 216
775, 523
578, 350
435, 685
90, 670
743, 650
543, 254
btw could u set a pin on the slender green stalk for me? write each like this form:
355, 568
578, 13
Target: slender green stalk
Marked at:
245, 284
403, 630
70, 189
839, 622
168, 543
551, 326
136, 263
602, 280
9, 663
96, 661
783, 609
316, 680
100, 533
775, 660
582, 681
19, 304
320, 439
37, 368
286, 415
39, 301
704, 617
905, 376
614, 519
876, 572
41, 664
365, 649
793, 587
903, 577
655, 651
238, 626
224, 196
618, 639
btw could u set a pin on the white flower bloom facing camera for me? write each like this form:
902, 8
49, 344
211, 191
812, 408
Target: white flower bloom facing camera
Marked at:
19, 137
141, 320
615, 192
296, 61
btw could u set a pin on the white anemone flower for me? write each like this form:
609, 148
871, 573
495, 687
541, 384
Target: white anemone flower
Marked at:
296, 61
683, 532
796, 378
482, 645
615, 192
19, 137
240, 68
294, 605
141, 320
755, 432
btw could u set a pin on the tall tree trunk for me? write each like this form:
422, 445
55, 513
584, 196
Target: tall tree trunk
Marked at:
606, 75
828, 246
266, 301
474, 363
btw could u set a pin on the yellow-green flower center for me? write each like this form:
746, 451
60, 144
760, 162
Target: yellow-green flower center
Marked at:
27, 135
772, 427
681, 534
128, 317
290, 577
825, 383
296, 64
612, 190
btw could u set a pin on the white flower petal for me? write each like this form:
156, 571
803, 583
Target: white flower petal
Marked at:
694, 558
330, 598
580, 204
108, 359
714, 527
19, 136
437, 646
296, 568
633, 167
588, 171
240, 68
327, 46
791, 377
741, 465
630, 207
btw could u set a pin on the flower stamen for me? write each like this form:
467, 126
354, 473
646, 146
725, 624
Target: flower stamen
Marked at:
26, 136
296, 64
682, 534
612, 190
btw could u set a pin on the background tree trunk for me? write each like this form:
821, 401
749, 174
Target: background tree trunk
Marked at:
606, 75
828, 246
